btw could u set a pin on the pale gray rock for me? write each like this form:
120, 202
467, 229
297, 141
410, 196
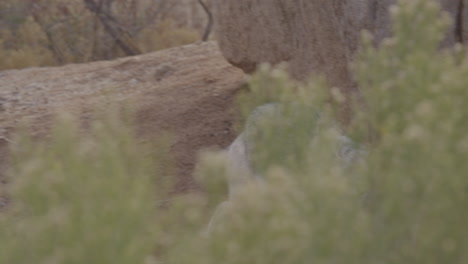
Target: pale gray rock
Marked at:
240, 171
239, 163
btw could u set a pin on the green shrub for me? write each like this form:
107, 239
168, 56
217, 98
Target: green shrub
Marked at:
405, 203
91, 200
24, 46
79, 199
57, 32
165, 35
416, 174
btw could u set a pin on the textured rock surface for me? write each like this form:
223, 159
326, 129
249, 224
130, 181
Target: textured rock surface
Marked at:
188, 91
311, 35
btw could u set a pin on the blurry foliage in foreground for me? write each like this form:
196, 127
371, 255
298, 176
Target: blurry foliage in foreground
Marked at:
405, 203
57, 32
80, 200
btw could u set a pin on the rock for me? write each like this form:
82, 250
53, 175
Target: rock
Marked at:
240, 172
239, 163
313, 36
166, 90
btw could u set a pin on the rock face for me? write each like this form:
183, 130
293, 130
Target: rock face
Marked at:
188, 91
313, 36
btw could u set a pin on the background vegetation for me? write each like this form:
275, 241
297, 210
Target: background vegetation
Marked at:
96, 199
56, 32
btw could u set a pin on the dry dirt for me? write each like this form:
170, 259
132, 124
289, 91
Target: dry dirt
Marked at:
188, 91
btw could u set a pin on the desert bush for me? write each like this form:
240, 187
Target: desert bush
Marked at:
164, 35
25, 46
403, 202
417, 174
81, 199
57, 32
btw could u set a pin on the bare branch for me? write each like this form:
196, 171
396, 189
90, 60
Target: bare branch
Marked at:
209, 25
121, 37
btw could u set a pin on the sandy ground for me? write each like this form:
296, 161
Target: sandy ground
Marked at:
188, 91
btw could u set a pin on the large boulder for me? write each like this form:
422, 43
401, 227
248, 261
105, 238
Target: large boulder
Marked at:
313, 36
186, 91
240, 169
